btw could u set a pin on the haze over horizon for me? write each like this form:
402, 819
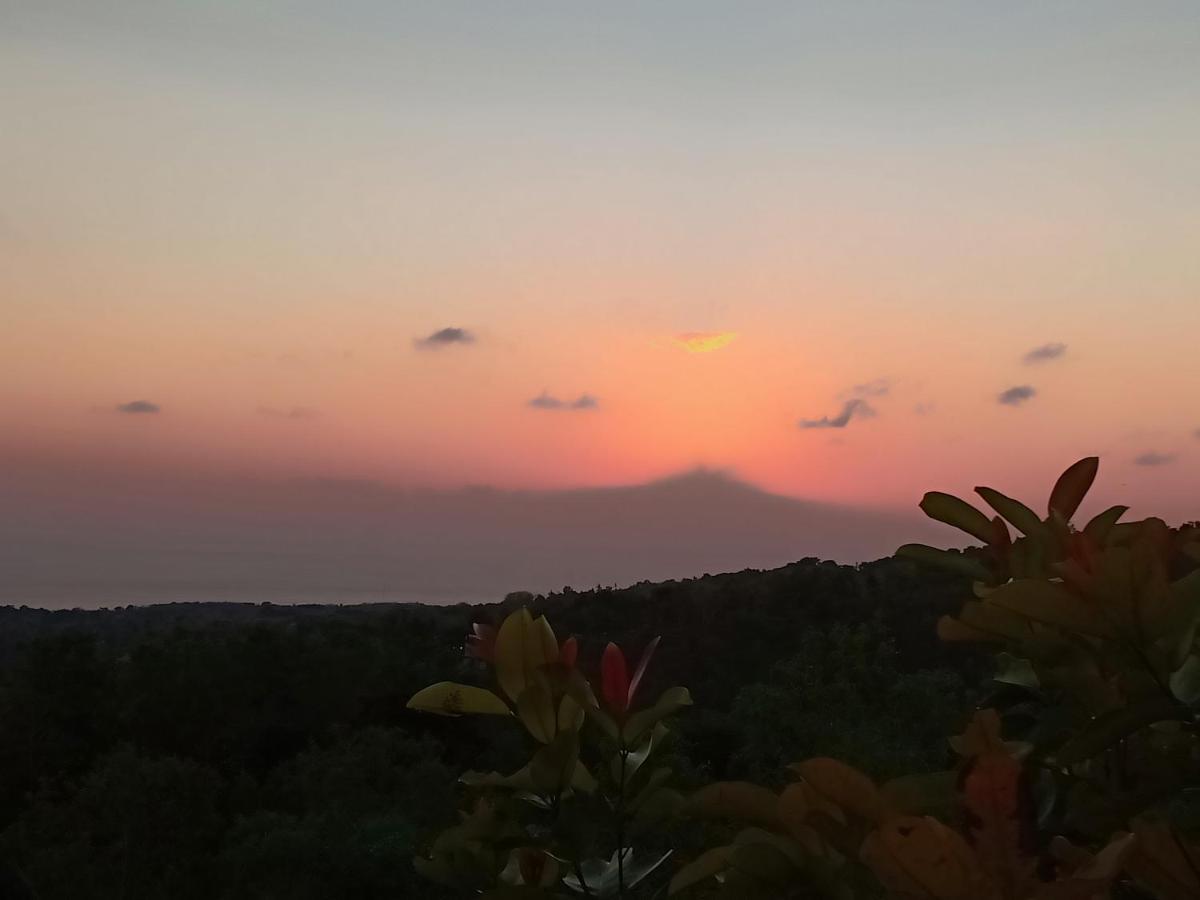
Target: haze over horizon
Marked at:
846, 255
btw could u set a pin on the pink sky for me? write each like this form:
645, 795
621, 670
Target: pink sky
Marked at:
252, 235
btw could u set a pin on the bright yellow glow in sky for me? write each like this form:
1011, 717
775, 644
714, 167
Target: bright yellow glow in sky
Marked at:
704, 342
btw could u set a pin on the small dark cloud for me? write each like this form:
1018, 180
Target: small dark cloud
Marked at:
139, 407
878, 387
444, 337
546, 400
924, 409
1196, 434
1044, 353
852, 409
293, 413
1015, 396
1153, 458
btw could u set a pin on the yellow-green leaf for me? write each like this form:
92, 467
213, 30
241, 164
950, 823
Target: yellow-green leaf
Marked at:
446, 698
523, 647
535, 706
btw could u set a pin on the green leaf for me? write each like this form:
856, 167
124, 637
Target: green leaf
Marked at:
1099, 527
519, 651
1050, 604
553, 766
1112, 727
959, 513
657, 779
447, 698
671, 701
603, 876
1072, 486
705, 866
535, 706
519, 780
1185, 683
1014, 670
1024, 519
945, 559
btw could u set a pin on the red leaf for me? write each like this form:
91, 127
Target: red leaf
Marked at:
568, 652
614, 679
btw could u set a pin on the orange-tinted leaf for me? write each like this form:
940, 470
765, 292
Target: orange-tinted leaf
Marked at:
1165, 862
844, 785
738, 800
999, 826
922, 858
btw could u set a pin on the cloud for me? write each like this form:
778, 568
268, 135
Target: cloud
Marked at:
138, 407
1015, 396
878, 387
924, 409
852, 409
1153, 458
704, 341
546, 400
294, 413
444, 337
1044, 353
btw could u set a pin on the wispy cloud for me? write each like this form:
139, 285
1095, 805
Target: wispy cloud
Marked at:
546, 400
1015, 396
138, 408
924, 409
445, 337
877, 387
1044, 353
704, 341
856, 408
293, 413
1154, 458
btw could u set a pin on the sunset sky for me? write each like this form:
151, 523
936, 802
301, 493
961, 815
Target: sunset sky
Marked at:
844, 252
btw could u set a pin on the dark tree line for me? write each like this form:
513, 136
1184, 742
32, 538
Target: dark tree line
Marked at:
240, 751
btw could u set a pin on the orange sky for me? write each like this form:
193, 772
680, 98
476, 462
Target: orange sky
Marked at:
253, 234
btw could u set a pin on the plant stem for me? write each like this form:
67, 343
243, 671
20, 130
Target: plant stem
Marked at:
621, 826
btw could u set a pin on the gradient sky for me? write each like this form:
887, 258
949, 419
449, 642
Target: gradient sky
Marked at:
673, 234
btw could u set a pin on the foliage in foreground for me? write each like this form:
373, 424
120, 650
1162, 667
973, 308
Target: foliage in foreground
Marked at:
1098, 684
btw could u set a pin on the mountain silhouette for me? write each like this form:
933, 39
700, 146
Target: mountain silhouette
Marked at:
333, 541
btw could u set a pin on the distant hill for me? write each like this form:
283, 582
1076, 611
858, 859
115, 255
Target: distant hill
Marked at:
335, 541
